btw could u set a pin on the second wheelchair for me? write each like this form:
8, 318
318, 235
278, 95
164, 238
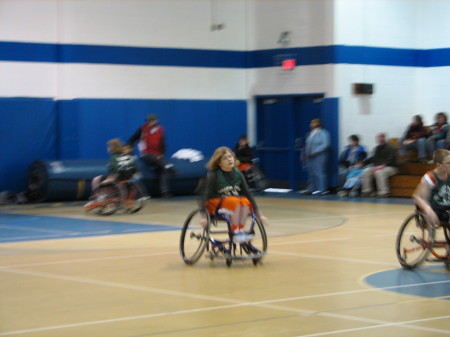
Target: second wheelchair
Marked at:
109, 197
417, 239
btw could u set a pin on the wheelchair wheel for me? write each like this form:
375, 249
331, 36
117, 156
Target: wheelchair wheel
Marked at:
255, 179
136, 197
414, 239
259, 180
194, 238
257, 247
107, 198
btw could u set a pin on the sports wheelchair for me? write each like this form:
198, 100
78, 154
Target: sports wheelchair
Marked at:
107, 198
217, 239
416, 239
255, 177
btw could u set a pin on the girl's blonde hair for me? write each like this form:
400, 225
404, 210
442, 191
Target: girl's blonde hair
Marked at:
213, 163
115, 146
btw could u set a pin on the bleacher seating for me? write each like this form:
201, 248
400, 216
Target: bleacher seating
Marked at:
404, 183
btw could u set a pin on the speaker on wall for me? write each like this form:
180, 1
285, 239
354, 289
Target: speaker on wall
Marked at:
363, 88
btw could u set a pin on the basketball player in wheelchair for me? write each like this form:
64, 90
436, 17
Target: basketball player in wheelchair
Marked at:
247, 164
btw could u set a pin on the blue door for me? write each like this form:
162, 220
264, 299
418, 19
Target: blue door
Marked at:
282, 124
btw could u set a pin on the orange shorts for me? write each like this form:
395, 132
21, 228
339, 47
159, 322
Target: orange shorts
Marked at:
227, 203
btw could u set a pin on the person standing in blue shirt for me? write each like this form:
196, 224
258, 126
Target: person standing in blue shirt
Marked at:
315, 156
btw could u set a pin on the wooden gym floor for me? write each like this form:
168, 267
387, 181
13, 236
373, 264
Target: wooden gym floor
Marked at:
331, 270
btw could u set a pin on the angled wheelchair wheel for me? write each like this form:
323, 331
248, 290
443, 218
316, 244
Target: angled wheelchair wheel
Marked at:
136, 197
414, 239
194, 238
259, 180
107, 199
256, 248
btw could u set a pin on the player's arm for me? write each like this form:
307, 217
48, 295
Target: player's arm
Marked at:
421, 196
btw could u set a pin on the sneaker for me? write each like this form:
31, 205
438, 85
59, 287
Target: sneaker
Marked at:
342, 194
353, 194
101, 198
320, 192
305, 192
90, 204
241, 237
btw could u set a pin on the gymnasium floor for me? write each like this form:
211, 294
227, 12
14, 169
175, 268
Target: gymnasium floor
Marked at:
330, 270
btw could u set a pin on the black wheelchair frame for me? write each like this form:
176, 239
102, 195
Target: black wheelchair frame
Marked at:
255, 178
217, 239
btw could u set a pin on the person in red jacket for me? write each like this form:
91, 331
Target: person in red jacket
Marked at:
152, 148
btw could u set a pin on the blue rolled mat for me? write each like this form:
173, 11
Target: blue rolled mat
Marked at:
68, 180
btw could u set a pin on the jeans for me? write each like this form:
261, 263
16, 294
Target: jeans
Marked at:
419, 145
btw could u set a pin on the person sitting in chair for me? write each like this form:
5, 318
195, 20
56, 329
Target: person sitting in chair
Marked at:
432, 194
244, 153
226, 192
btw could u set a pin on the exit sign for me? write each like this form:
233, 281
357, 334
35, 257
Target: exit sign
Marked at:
289, 64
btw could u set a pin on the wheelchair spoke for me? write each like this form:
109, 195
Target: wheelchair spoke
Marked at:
136, 198
194, 238
414, 240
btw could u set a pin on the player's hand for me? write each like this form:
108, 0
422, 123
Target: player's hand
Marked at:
264, 220
204, 222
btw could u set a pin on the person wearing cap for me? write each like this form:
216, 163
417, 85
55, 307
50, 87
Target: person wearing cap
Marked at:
152, 147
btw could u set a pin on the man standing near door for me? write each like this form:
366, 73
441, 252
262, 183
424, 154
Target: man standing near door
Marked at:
315, 156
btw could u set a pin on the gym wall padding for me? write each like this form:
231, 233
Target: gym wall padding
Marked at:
28, 132
46, 129
70, 180
64, 180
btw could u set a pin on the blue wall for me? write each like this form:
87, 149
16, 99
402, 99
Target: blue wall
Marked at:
35, 129
27, 133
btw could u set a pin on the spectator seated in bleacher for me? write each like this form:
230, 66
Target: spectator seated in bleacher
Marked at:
438, 134
414, 139
353, 180
382, 165
352, 153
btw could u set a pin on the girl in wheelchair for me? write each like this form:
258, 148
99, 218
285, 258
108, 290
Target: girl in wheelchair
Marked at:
121, 166
247, 164
432, 195
416, 238
226, 192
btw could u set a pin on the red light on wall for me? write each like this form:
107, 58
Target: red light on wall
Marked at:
289, 64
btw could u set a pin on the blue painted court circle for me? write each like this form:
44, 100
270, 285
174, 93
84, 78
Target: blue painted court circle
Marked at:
431, 281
